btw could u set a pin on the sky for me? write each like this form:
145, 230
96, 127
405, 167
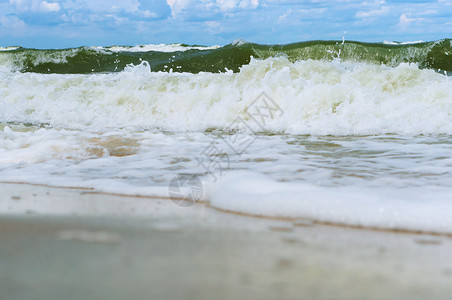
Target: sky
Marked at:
73, 23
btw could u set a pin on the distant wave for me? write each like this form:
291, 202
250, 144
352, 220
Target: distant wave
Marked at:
156, 48
435, 55
402, 43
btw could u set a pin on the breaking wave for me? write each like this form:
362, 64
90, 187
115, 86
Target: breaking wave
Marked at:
316, 96
435, 55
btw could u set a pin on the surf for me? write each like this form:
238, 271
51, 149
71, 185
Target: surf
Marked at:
317, 97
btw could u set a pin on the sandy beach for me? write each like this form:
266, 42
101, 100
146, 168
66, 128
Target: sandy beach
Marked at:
70, 244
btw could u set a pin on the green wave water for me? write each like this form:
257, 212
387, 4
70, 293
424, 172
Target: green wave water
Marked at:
435, 55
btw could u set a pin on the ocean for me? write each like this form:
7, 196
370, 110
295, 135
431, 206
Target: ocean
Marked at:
341, 132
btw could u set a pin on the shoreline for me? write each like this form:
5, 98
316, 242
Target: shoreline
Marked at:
111, 247
207, 205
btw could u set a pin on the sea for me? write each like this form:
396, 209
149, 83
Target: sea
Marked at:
341, 132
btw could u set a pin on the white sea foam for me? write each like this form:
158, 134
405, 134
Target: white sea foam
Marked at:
239, 42
158, 47
387, 181
317, 97
8, 48
417, 208
403, 43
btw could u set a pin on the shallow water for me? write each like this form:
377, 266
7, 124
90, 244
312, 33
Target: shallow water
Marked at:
367, 180
339, 141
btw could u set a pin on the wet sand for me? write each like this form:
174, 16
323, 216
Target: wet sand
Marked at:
70, 244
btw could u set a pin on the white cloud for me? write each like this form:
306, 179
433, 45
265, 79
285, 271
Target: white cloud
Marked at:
222, 21
226, 5
214, 26
405, 21
150, 14
284, 16
35, 5
53, 6
11, 24
178, 5
372, 13
105, 6
205, 7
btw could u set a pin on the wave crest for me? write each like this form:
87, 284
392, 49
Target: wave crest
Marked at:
194, 59
317, 97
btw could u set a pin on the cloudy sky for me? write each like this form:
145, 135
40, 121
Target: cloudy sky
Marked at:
69, 23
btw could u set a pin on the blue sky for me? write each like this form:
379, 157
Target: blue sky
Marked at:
69, 23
